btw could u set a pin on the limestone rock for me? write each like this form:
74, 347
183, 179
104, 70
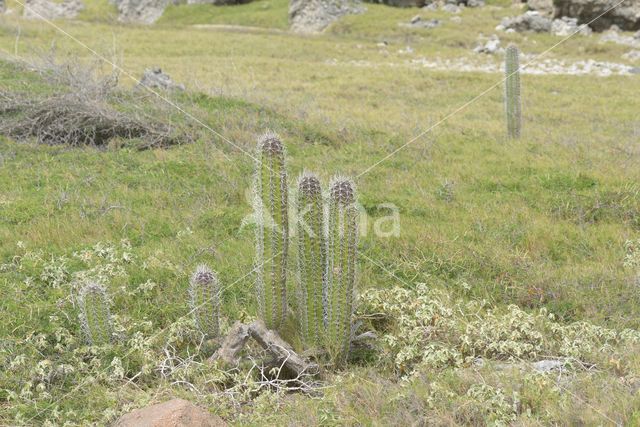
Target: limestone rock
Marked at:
51, 10
174, 413
313, 16
543, 7
402, 3
626, 16
567, 26
530, 21
154, 78
141, 11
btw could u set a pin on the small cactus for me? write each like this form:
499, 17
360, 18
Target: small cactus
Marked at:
311, 258
341, 267
513, 104
95, 318
272, 232
204, 301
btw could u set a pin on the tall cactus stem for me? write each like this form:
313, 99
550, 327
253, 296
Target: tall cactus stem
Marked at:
272, 233
513, 103
341, 267
95, 318
311, 258
204, 301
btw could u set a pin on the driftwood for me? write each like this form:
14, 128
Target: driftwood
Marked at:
281, 352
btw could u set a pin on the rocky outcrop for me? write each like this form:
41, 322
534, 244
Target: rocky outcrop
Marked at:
402, 3
567, 26
543, 7
50, 10
626, 16
218, 2
141, 11
174, 413
530, 21
313, 16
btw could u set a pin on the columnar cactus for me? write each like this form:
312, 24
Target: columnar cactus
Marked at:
95, 318
272, 233
513, 104
341, 267
311, 263
204, 300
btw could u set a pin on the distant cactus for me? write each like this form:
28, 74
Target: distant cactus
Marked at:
95, 317
204, 301
341, 266
311, 258
513, 104
272, 233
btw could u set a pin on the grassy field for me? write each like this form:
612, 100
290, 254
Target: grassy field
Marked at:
487, 224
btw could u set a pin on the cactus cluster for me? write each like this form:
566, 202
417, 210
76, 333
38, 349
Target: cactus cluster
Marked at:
204, 301
512, 101
272, 232
326, 237
95, 318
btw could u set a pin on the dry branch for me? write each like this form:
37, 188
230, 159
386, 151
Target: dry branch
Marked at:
282, 353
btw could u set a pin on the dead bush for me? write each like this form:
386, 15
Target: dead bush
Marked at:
82, 106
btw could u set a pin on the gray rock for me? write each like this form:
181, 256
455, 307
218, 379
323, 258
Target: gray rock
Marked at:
548, 365
401, 3
490, 47
626, 16
141, 11
530, 21
218, 2
635, 70
3, 6
418, 22
451, 8
313, 16
614, 36
50, 10
544, 7
567, 26
633, 55
154, 78
475, 3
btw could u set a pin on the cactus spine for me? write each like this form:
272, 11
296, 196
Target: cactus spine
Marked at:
95, 317
341, 265
272, 233
513, 104
311, 258
204, 300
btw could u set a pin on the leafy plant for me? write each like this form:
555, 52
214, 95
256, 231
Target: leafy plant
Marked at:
204, 300
513, 104
341, 266
312, 255
95, 318
272, 233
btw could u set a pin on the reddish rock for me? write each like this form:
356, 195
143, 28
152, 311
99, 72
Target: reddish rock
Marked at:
174, 413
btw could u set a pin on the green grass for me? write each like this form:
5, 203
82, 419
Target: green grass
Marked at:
539, 222
261, 13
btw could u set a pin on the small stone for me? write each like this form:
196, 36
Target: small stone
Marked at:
173, 413
154, 78
415, 19
548, 365
635, 70
451, 8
